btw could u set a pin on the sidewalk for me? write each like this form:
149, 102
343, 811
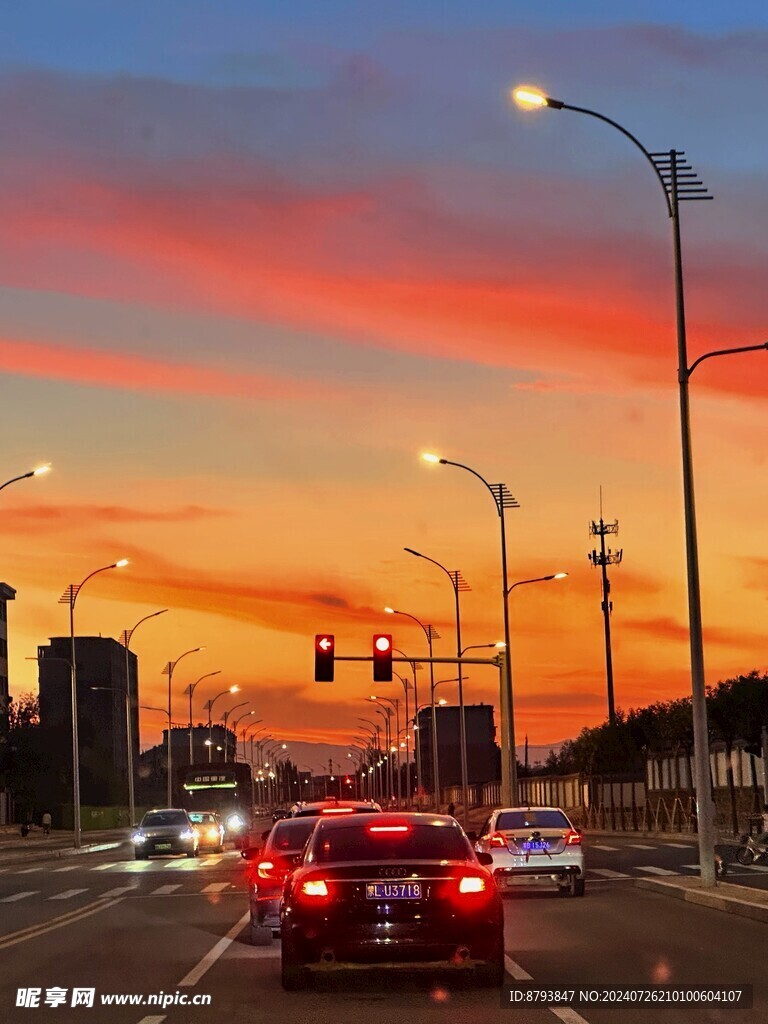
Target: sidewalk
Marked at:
15, 848
733, 899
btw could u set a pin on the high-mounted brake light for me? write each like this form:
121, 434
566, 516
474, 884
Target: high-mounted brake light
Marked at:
314, 887
573, 838
498, 840
264, 868
388, 828
338, 810
472, 883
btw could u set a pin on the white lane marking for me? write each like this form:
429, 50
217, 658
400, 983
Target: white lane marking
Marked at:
652, 870
214, 953
640, 846
567, 1014
152, 1020
187, 864
212, 860
19, 896
753, 867
70, 867
120, 891
216, 887
679, 846
517, 972
165, 890
607, 873
599, 846
28, 871
105, 867
67, 894
693, 867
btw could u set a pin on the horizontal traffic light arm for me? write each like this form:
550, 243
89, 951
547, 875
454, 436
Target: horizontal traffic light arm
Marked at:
495, 661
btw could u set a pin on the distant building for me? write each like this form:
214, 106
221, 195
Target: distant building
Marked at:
6, 594
101, 719
483, 760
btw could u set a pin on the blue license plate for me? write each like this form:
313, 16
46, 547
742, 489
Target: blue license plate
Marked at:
393, 890
536, 844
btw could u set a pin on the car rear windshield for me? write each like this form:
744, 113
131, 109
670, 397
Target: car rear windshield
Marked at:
531, 819
420, 842
202, 819
289, 836
164, 818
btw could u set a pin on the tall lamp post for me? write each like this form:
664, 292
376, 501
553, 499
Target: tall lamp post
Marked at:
459, 585
69, 597
40, 471
190, 691
209, 705
225, 717
431, 634
417, 752
405, 685
125, 640
503, 500
396, 705
235, 724
679, 183
169, 670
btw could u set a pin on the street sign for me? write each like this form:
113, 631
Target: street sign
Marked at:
325, 644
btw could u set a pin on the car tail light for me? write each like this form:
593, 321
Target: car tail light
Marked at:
338, 810
497, 839
314, 887
472, 883
264, 868
388, 828
573, 838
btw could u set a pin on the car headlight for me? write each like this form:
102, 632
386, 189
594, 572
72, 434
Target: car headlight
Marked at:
186, 834
234, 821
138, 838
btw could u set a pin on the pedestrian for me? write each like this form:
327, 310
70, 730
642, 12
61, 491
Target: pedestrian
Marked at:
452, 809
46, 823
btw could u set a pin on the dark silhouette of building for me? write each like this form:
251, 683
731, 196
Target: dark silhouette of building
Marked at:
6, 594
101, 718
483, 758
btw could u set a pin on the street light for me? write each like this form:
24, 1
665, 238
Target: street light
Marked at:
190, 690
125, 640
169, 671
209, 705
431, 634
235, 724
405, 685
225, 716
395, 702
40, 471
414, 666
503, 500
459, 584
679, 184
70, 597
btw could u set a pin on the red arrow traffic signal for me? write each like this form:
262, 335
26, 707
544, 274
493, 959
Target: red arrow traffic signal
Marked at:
325, 644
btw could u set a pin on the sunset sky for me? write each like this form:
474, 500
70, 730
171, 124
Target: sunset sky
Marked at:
256, 258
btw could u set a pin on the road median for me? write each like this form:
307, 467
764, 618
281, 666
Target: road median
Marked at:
732, 899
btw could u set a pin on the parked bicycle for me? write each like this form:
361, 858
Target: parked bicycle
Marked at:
752, 849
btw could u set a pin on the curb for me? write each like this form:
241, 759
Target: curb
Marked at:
704, 898
67, 851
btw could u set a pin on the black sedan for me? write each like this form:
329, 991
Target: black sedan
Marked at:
393, 891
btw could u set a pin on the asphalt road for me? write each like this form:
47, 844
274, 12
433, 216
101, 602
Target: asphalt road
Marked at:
125, 927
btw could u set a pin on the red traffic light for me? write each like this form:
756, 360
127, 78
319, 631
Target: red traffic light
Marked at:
382, 658
325, 645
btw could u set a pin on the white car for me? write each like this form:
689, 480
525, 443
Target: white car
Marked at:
534, 845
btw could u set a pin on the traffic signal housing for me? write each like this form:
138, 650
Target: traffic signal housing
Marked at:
382, 658
325, 645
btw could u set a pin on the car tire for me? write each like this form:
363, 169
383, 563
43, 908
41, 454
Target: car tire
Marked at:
294, 976
260, 935
192, 853
745, 856
577, 886
491, 974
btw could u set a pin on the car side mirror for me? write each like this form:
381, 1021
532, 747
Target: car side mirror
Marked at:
485, 858
472, 837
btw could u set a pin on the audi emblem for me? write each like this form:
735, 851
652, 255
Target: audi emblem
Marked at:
393, 872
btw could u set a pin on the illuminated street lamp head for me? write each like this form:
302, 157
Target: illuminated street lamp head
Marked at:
285, 746
42, 470
121, 563
233, 689
442, 701
430, 457
390, 611
500, 644
559, 575
209, 743
528, 97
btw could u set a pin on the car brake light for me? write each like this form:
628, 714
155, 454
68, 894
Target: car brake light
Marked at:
263, 869
388, 828
573, 838
498, 840
314, 887
472, 883
338, 810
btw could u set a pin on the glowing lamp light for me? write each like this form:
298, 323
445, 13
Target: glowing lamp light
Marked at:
429, 457
559, 575
42, 470
529, 98
121, 563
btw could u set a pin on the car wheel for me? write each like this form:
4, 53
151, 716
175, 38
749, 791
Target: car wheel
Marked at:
744, 855
293, 976
577, 886
491, 973
191, 853
260, 936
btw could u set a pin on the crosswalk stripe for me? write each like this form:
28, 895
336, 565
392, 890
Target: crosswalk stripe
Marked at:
19, 896
213, 860
640, 846
105, 867
679, 846
165, 890
693, 867
653, 870
69, 867
216, 887
599, 846
607, 873
28, 871
120, 891
67, 894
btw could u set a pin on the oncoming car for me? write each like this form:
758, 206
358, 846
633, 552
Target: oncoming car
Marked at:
392, 891
167, 830
210, 830
534, 845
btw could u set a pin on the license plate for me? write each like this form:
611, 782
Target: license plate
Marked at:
163, 846
536, 844
393, 890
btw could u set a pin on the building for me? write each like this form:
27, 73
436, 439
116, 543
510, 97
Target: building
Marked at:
483, 758
105, 671
6, 594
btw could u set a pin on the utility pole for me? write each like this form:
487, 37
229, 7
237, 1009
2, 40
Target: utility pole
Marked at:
604, 558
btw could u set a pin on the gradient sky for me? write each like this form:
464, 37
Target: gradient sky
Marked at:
255, 258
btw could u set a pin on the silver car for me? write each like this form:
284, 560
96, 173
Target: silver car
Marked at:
534, 845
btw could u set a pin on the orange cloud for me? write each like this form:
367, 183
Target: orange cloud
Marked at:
29, 518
